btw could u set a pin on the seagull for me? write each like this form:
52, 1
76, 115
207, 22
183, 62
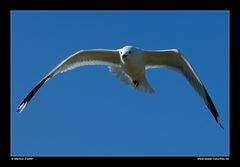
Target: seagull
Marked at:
129, 65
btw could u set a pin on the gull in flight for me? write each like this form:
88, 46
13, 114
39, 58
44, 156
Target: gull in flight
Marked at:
129, 64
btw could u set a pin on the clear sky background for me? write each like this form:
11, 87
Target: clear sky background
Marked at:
87, 111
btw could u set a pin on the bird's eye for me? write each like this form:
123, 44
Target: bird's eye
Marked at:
120, 52
129, 52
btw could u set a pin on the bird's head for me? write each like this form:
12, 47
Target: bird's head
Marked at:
129, 52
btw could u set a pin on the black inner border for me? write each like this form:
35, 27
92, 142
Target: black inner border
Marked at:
7, 7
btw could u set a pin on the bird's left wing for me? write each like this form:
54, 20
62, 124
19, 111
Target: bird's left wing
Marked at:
174, 60
81, 58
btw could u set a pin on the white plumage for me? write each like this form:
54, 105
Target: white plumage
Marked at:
129, 64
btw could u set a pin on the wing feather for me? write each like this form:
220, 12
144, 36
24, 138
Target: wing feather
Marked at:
175, 60
81, 58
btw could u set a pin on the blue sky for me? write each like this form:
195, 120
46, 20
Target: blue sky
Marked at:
87, 111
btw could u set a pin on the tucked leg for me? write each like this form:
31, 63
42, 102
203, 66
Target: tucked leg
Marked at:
135, 83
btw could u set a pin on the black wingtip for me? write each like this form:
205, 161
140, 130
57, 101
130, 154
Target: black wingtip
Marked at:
220, 122
18, 110
216, 116
21, 107
213, 110
31, 94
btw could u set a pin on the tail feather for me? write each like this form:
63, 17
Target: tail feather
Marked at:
145, 87
120, 74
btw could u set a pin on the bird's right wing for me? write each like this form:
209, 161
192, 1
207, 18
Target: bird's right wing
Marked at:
81, 58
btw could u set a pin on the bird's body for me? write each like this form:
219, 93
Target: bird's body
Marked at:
129, 64
133, 66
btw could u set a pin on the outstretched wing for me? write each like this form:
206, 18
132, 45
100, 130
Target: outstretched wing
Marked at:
174, 60
81, 58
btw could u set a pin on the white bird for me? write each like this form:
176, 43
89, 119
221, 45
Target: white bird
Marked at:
129, 64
